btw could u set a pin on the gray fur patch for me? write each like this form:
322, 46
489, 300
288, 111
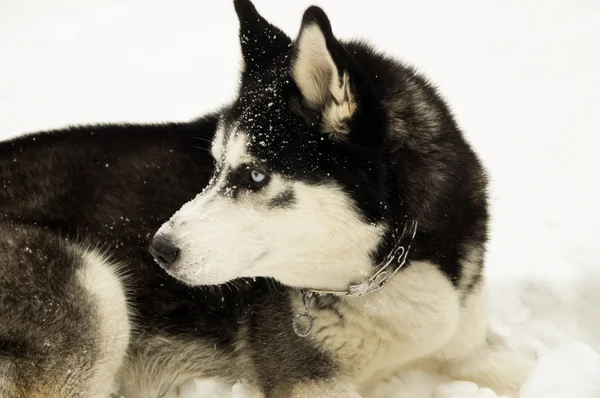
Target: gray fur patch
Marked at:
285, 199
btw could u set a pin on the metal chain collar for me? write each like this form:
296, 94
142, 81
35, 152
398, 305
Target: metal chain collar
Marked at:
303, 323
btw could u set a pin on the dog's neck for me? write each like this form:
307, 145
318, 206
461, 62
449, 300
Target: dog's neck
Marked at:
392, 262
383, 273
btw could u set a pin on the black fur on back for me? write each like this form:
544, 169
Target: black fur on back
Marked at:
112, 186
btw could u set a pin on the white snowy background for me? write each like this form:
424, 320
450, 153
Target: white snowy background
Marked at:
521, 76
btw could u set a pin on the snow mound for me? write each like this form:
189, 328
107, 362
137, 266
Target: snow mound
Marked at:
573, 370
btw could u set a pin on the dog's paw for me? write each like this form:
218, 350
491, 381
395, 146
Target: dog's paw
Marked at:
463, 389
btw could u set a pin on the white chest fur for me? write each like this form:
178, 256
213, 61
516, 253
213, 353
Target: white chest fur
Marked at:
371, 337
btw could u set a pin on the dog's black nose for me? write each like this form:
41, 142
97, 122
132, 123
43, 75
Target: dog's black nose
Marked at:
164, 252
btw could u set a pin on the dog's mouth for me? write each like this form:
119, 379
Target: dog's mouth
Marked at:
183, 277
204, 273
190, 274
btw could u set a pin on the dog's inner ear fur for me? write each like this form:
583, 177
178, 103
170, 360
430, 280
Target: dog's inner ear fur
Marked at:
318, 78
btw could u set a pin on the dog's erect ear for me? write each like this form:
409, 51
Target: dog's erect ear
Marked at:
317, 68
260, 40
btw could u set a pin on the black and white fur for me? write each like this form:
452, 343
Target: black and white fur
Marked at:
328, 150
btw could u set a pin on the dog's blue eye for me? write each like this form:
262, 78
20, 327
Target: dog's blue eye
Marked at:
257, 176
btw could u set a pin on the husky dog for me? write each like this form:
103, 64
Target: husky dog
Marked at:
338, 238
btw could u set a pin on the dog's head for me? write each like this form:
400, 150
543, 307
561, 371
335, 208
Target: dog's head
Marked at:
298, 192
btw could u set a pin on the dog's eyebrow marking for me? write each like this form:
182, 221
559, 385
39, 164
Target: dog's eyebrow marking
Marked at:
218, 142
236, 149
284, 199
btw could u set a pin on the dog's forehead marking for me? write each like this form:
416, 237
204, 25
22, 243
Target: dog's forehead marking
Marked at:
231, 146
236, 151
218, 142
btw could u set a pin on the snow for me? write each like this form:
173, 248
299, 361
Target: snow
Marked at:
521, 76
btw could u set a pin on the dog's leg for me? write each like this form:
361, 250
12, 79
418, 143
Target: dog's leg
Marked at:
7, 386
493, 366
107, 295
64, 324
471, 355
